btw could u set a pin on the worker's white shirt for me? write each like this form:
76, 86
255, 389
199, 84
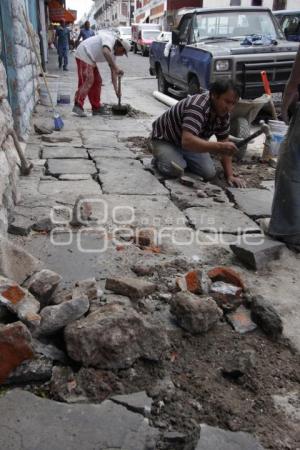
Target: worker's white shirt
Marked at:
91, 50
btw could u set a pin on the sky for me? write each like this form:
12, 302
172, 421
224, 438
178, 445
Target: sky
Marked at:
82, 6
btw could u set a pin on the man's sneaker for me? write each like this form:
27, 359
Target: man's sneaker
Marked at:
102, 111
66, 69
78, 111
177, 171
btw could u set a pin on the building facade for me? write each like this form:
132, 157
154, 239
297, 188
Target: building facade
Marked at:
112, 13
157, 11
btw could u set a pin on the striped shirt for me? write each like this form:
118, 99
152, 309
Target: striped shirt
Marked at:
192, 114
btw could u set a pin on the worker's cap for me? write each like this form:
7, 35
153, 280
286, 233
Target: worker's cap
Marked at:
126, 45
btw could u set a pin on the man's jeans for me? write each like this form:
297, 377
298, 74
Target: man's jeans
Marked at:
63, 57
165, 153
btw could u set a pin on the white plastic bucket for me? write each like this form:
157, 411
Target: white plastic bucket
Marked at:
278, 130
44, 96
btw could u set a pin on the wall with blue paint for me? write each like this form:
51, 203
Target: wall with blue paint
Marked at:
18, 82
19, 60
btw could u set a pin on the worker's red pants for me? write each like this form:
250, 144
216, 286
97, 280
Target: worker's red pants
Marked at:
89, 84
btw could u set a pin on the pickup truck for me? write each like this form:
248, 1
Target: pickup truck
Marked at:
235, 43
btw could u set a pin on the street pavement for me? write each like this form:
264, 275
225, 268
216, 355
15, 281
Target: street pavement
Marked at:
105, 159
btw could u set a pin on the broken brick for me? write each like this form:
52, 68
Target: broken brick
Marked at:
135, 288
227, 275
15, 347
14, 294
227, 296
240, 320
193, 282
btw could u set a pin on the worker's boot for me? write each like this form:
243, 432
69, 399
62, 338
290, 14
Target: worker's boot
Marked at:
102, 111
79, 111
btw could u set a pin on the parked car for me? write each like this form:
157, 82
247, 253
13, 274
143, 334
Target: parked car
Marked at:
208, 44
143, 35
124, 33
289, 21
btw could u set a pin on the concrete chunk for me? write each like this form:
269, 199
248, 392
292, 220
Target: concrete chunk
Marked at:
195, 314
16, 263
54, 318
138, 402
258, 251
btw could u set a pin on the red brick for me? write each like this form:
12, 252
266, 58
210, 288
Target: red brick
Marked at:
15, 347
227, 275
193, 282
14, 294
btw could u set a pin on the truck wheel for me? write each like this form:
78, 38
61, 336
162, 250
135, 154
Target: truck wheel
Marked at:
240, 128
135, 48
193, 86
162, 84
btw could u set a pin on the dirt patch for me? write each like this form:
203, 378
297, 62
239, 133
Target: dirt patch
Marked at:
201, 393
139, 144
254, 172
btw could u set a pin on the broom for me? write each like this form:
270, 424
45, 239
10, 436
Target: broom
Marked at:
58, 122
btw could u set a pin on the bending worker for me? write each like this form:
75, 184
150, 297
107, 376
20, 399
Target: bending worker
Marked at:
97, 49
285, 217
180, 136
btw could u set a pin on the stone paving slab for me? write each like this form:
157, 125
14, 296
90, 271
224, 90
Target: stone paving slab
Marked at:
221, 219
33, 423
213, 438
137, 211
127, 177
186, 197
82, 255
77, 143
68, 191
253, 202
60, 166
64, 153
112, 152
100, 139
74, 177
33, 151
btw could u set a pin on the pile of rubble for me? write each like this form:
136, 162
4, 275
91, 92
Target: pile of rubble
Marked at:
110, 329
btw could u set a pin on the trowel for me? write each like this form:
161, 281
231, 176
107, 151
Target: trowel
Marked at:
119, 109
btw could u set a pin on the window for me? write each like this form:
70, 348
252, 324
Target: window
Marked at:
233, 24
291, 26
256, 2
184, 29
279, 4
235, 2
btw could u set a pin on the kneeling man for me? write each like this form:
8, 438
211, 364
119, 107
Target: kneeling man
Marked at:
180, 136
